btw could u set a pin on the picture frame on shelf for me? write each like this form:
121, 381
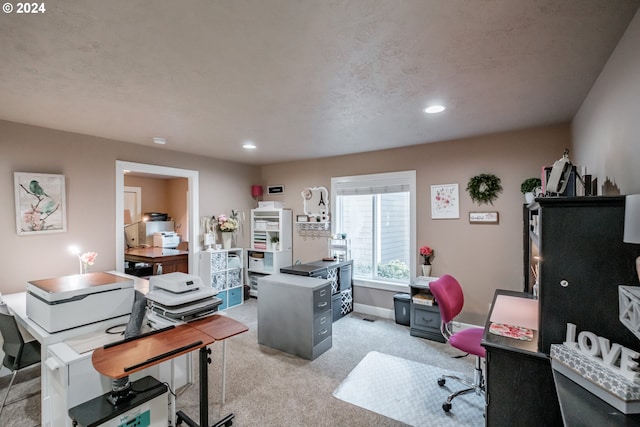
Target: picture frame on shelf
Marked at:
302, 218
40, 203
491, 217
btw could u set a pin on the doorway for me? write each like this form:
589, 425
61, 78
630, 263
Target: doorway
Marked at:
123, 167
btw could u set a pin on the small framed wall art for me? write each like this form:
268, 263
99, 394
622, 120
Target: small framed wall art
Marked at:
40, 203
483, 217
275, 189
445, 203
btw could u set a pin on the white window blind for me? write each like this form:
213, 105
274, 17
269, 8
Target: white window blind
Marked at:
377, 212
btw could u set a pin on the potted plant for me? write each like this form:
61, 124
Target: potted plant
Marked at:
275, 241
427, 253
529, 187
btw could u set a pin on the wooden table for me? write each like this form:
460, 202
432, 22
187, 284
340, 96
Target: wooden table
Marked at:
172, 260
118, 361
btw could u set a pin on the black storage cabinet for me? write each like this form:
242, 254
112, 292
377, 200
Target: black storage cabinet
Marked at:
402, 309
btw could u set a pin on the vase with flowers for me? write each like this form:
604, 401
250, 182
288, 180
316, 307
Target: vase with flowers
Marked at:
427, 253
227, 226
87, 260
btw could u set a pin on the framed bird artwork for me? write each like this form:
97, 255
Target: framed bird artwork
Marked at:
40, 203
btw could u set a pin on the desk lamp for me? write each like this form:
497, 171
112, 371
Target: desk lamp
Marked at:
632, 223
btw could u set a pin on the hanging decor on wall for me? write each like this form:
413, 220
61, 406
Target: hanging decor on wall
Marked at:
484, 188
445, 202
40, 203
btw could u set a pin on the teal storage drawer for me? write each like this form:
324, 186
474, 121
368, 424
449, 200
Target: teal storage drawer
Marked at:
235, 296
224, 297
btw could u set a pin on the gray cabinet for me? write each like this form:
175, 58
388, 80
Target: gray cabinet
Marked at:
339, 274
294, 314
425, 319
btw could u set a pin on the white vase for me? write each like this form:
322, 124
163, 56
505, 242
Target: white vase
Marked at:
426, 270
528, 197
226, 239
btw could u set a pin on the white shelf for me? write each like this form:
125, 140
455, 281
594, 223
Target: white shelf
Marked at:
223, 270
267, 223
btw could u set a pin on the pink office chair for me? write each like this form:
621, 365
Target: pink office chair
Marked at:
450, 299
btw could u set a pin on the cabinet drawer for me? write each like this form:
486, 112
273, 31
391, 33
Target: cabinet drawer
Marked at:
218, 261
321, 300
235, 296
219, 281
224, 296
322, 327
426, 318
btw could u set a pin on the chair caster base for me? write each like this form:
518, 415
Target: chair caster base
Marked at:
441, 382
446, 407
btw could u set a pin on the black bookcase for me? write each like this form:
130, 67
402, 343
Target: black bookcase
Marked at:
577, 244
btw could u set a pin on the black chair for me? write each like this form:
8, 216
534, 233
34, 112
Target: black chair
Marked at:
18, 354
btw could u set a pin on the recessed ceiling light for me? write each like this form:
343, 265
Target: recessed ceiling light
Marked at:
249, 146
159, 141
433, 109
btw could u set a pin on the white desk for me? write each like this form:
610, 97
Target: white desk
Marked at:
61, 365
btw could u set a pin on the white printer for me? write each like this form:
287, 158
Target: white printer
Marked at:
72, 301
166, 239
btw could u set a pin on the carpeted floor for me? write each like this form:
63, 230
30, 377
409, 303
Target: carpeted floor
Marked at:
397, 388
266, 387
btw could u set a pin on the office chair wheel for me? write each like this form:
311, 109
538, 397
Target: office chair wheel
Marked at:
446, 407
441, 382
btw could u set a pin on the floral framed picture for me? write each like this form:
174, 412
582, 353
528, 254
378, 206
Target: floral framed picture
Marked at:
445, 203
40, 203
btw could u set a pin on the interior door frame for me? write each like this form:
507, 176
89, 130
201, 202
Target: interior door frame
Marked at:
193, 206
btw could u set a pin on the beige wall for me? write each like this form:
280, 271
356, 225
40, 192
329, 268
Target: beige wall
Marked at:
88, 164
178, 206
166, 196
482, 257
154, 193
607, 129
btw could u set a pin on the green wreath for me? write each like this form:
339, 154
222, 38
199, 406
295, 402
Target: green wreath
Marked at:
484, 188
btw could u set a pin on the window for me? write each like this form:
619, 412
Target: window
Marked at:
377, 212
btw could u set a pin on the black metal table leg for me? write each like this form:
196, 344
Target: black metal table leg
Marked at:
203, 363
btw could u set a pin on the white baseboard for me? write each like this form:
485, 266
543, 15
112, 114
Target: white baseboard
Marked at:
371, 310
387, 313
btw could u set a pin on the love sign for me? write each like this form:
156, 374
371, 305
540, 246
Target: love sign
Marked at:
614, 356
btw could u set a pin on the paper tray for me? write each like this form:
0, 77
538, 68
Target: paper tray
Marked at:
188, 311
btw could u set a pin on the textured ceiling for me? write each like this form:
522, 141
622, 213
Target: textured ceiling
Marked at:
306, 78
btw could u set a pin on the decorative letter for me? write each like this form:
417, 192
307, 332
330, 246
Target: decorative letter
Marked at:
591, 348
609, 355
571, 336
628, 365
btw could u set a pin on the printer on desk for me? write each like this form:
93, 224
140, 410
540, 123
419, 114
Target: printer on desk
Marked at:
166, 239
72, 301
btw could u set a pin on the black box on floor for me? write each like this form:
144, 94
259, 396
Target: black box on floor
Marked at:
336, 306
401, 306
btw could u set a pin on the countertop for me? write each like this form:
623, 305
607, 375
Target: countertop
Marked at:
313, 266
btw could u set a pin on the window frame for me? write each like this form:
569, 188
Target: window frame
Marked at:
407, 178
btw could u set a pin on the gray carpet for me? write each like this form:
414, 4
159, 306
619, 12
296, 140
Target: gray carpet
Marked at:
407, 391
266, 387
